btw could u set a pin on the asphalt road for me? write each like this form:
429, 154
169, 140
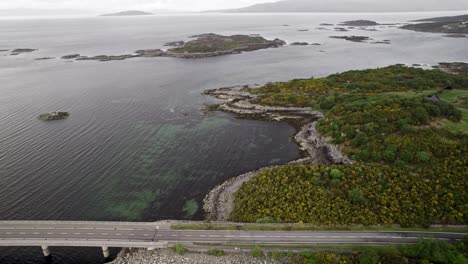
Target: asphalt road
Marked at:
146, 235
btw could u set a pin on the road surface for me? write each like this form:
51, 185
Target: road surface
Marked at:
159, 235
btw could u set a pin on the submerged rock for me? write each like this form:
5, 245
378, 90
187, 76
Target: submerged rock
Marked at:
456, 36
44, 58
54, 116
386, 41
341, 29
353, 38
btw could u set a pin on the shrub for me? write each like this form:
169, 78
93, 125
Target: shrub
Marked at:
257, 252
424, 156
356, 196
277, 255
368, 256
216, 252
180, 249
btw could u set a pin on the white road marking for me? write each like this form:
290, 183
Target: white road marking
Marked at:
76, 233
104, 234
63, 233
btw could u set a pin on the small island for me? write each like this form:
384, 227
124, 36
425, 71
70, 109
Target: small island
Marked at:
129, 13
203, 46
359, 23
447, 25
215, 45
19, 51
54, 116
299, 44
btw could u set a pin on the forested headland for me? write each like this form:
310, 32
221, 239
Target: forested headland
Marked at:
406, 128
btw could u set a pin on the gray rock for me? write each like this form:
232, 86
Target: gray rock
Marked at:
299, 44
23, 50
44, 58
54, 116
71, 56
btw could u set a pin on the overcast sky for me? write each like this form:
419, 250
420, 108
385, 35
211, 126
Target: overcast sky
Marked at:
116, 5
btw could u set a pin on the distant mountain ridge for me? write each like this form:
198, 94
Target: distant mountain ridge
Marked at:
129, 13
353, 6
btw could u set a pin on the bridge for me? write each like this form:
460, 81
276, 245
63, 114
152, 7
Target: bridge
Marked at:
47, 234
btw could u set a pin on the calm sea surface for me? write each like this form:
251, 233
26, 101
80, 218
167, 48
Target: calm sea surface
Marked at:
136, 146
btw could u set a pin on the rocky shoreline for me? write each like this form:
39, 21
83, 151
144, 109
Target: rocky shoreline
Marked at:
219, 203
167, 256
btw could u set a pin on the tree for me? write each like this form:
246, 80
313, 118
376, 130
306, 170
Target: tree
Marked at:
368, 256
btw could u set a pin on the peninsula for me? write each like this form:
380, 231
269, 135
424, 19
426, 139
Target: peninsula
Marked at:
448, 25
375, 144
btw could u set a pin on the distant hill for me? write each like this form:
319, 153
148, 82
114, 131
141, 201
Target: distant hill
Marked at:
354, 6
129, 13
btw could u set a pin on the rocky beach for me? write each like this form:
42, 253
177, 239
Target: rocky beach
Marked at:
167, 256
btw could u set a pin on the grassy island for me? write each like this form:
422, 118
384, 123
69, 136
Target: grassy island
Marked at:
406, 128
209, 43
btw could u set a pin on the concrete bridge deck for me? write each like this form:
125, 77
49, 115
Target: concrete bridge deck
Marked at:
159, 235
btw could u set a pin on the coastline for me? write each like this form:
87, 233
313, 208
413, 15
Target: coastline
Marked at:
219, 202
132, 256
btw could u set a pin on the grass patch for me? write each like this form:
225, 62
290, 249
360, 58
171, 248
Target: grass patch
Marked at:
180, 249
257, 252
216, 252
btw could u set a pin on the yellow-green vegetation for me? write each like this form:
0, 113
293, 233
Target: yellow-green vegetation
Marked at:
412, 165
362, 193
425, 251
305, 227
